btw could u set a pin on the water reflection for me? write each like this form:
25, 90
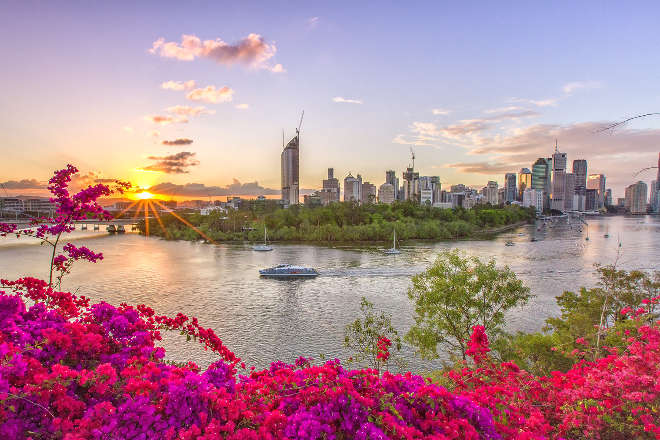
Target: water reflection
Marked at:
264, 319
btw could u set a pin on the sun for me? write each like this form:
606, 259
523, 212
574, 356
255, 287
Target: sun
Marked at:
144, 195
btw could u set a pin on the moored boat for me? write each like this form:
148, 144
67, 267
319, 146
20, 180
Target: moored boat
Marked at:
263, 247
111, 229
289, 271
393, 250
120, 229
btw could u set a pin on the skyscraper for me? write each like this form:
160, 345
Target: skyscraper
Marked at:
636, 198
386, 193
510, 190
569, 191
490, 193
524, 181
597, 182
410, 184
558, 179
331, 188
541, 173
580, 171
353, 188
291, 171
368, 192
390, 177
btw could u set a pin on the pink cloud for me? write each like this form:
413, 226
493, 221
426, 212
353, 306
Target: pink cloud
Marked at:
178, 85
211, 94
252, 51
186, 110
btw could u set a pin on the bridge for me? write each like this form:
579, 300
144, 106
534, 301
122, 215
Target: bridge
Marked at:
24, 223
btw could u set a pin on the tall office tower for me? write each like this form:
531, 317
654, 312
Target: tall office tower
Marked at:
510, 191
386, 193
654, 201
368, 192
569, 191
558, 179
636, 198
291, 171
580, 171
410, 185
524, 181
491, 192
390, 177
353, 188
331, 188
608, 197
541, 178
591, 200
597, 182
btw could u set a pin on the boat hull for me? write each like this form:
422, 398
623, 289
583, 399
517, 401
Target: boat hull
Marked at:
288, 275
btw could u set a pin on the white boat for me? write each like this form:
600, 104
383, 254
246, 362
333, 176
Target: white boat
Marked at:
288, 271
263, 247
393, 250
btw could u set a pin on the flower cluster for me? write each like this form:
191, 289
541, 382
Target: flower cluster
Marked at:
98, 374
383, 348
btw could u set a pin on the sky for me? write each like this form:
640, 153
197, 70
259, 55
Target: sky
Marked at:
192, 98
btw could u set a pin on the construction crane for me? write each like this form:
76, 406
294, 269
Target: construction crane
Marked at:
412, 153
300, 124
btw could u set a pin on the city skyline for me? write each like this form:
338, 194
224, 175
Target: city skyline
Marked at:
193, 102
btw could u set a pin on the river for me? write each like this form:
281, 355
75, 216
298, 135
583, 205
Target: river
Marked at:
263, 320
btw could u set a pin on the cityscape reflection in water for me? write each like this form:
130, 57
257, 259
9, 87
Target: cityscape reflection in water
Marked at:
263, 320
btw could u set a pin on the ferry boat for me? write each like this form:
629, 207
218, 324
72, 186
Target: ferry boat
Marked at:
288, 271
111, 229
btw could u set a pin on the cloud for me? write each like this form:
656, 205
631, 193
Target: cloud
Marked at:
277, 68
482, 167
242, 106
22, 184
178, 85
165, 119
251, 51
180, 141
440, 111
153, 134
345, 100
128, 129
549, 102
577, 85
211, 94
312, 22
236, 188
186, 110
503, 109
173, 164
429, 134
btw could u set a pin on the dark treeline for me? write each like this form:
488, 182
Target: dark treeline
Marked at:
340, 222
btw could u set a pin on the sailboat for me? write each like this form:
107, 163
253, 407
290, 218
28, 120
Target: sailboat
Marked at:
393, 250
263, 247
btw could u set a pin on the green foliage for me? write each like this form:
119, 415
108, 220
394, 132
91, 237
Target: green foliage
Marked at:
592, 315
361, 336
342, 222
456, 293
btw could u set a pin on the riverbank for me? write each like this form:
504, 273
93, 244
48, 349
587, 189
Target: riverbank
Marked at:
341, 223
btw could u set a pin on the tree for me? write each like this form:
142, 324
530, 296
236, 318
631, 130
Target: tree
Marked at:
457, 293
366, 335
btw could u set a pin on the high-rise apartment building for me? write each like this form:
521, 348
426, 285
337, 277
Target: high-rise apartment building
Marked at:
533, 197
490, 193
558, 180
569, 191
597, 182
591, 200
608, 197
331, 188
353, 188
510, 190
524, 181
368, 194
580, 171
636, 195
542, 174
290, 166
390, 177
386, 193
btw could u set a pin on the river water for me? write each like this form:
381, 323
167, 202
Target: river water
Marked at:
263, 320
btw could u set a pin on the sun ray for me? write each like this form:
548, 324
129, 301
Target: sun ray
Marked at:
129, 207
137, 210
146, 218
186, 222
160, 222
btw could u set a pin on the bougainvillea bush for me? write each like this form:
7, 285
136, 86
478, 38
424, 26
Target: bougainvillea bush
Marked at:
76, 370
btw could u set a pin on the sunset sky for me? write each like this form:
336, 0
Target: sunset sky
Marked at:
191, 97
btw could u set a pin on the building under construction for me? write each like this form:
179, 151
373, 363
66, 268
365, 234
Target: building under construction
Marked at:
291, 170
